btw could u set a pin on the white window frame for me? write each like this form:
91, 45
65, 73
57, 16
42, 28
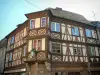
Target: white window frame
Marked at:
42, 23
55, 45
30, 23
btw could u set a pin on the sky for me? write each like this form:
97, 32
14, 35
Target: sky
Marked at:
12, 11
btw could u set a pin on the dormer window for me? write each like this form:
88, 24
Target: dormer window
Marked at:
75, 31
55, 26
43, 21
32, 23
88, 33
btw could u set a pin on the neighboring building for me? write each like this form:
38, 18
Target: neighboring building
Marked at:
3, 45
57, 42
16, 50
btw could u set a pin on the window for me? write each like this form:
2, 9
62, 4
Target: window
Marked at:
75, 31
37, 44
10, 57
56, 47
55, 26
88, 33
12, 40
91, 50
32, 24
43, 22
77, 51
24, 52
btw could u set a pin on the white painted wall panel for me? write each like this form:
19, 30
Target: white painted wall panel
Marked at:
37, 23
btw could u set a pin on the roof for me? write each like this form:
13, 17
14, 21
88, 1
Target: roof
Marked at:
58, 12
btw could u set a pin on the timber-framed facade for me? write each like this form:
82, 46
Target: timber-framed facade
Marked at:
53, 42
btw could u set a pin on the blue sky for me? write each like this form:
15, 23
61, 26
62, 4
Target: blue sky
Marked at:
12, 11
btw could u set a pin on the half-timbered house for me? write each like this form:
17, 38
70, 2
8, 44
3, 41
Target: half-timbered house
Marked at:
58, 42
16, 50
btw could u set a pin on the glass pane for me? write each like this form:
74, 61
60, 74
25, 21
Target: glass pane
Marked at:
43, 24
52, 26
88, 33
75, 31
12, 40
32, 24
39, 44
58, 27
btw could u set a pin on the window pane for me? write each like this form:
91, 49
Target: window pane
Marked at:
88, 33
56, 47
34, 44
32, 24
43, 22
12, 40
91, 51
58, 27
75, 31
52, 26
10, 59
24, 53
39, 44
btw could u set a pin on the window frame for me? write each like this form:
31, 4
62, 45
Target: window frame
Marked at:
12, 40
75, 34
37, 47
31, 26
55, 50
42, 24
90, 35
78, 52
55, 27
91, 51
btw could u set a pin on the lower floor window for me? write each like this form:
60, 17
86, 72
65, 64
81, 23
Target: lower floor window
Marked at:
56, 47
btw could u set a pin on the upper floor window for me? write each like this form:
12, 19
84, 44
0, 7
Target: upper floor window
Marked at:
75, 31
37, 44
12, 40
43, 22
55, 26
32, 23
56, 47
88, 33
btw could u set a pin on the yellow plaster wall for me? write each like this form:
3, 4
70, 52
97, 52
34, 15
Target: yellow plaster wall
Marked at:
37, 23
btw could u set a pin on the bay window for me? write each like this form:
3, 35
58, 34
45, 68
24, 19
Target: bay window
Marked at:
55, 26
32, 23
75, 31
43, 21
